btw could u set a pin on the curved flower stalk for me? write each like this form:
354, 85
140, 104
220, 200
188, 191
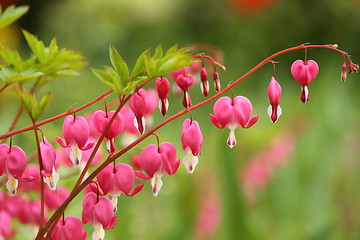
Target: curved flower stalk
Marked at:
232, 113
192, 140
116, 180
157, 160
76, 133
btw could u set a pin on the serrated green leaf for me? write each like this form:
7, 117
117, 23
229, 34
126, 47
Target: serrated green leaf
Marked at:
140, 68
11, 14
33, 107
158, 52
120, 65
37, 47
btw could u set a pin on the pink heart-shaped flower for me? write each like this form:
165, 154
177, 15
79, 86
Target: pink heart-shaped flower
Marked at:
304, 72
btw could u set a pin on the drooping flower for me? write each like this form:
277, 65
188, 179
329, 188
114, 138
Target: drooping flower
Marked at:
304, 73
204, 85
117, 180
157, 160
48, 157
217, 84
192, 139
185, 82
99, 211
274, 93
101, 120
76, 133
137, 105
232, 113
53, 199
163, 87
13, 162
5, 225
69, 228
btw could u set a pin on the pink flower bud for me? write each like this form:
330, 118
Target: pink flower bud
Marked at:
304, 73
137, 105
274, 94
163, 87
344, 71
185, 82
217, 84
69, 229
204, 85
48, 156
233, 113
98, 210
156, 161
101, 120
192, 139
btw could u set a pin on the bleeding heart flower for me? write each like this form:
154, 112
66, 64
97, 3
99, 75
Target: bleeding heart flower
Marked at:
137, 105
13, 162
163, 87
69, 228
118, 180
157, 160
53, 199
101, 120
5, 226
274, 93
99, 211
192, 139
232, 113
204, 85
48, 156
304, 73
185, 82
76, 133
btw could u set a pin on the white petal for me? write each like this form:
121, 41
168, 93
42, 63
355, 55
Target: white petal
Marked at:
98, 233
269, 111
231, 139
190, 161
11, 185
156, 184
75, 156
52, 180
279, 111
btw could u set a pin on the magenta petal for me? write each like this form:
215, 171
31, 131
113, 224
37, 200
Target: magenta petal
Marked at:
175, 167
252, 121
215, 121
4, 152
137, 189
124, 177
223, 111
168, 157
48, 156
103, 212
61, 142
80, 131
150, 159
192, 137
106, 180
16, 162
88, 204
137, 103
142, 175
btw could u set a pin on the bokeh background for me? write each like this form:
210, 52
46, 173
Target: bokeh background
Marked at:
296, 179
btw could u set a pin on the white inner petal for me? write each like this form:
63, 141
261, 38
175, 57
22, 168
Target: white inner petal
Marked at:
190, 161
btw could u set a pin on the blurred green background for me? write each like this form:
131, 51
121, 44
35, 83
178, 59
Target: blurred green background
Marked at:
314, 195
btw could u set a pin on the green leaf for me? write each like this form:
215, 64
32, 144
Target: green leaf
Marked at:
120, 65
33, 107
158, 52
139, 68
11, 14
37, 47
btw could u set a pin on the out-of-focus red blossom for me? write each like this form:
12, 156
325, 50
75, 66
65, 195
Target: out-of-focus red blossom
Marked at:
53, 199
5, 225
257, 173
129, 116
208, 220
32, 171
29, 211
249, 7
70, 228
6, 3
136, 161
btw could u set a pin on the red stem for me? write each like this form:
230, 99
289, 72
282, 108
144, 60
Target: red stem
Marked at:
54, 218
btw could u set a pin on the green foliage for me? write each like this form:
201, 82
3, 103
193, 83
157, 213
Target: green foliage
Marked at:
146, 67
11, 14
32, 106
47, 62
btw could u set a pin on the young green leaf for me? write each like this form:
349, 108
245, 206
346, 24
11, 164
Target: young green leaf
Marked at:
11, 14
33, 107
140, 68
119, 64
